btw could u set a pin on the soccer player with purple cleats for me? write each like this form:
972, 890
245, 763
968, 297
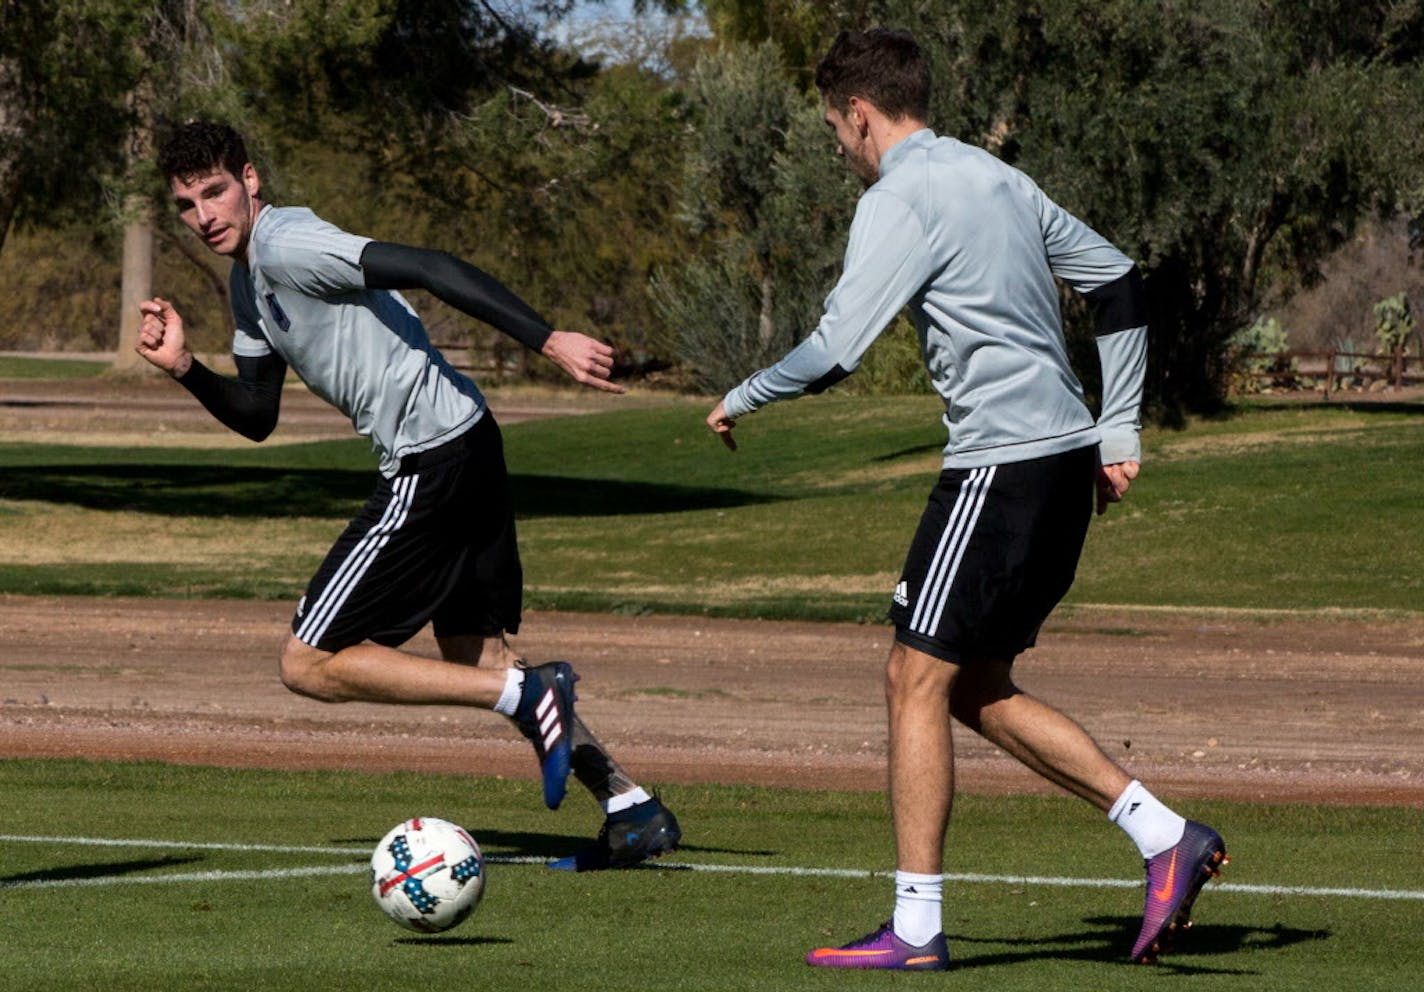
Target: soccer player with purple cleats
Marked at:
882, 949
1174, 879
628, 837
546, 716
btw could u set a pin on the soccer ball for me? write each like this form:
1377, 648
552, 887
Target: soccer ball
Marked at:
427, 874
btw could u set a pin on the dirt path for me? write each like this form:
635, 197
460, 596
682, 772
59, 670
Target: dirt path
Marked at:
1203, 704
1196, 704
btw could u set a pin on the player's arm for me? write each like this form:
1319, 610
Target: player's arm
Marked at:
473, 291
1121, 330
1112, 283
1122, 351
886, 263
248, 404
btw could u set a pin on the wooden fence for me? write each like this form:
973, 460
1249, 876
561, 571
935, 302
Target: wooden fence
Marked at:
1330, 371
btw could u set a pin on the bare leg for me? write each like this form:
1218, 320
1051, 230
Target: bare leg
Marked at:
986, 700
371, 673
493, 653
917, 692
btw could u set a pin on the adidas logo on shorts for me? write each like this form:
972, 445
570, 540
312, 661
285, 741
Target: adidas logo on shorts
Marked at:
902, 594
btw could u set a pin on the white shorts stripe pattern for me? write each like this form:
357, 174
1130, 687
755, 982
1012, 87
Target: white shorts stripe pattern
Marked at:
995, 550
313, 626
950, 552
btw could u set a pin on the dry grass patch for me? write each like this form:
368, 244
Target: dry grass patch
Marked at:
45, 534
726, 593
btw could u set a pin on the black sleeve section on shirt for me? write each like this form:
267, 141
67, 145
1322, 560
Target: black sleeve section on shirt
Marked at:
835, 375
1121, 304
458, 283
248, 404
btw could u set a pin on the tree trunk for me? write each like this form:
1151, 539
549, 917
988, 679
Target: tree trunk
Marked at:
13, 121
137, 284
766, 326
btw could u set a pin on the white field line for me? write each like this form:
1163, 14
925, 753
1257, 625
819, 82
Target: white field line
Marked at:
1399, 895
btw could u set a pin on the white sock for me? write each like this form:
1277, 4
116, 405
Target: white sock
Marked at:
622, 801
918, 907
513, 689
1152, 826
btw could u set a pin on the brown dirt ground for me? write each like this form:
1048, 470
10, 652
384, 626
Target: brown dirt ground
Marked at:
1278, 708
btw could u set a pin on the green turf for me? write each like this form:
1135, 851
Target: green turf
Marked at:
50, 368
666, 928
642, 510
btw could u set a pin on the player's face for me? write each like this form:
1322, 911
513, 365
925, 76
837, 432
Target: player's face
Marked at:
219, 207
851, 143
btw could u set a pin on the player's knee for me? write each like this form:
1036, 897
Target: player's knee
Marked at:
910, 673
299, 667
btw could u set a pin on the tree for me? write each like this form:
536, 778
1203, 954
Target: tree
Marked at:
62, 86
769, 202
1220, 143
800, 29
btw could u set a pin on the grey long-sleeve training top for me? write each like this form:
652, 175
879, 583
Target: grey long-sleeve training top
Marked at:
973, 246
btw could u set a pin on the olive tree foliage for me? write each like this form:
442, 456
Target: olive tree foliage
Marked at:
799, 28
463, 126
1227, 146
768, 202
82, 83
62, 88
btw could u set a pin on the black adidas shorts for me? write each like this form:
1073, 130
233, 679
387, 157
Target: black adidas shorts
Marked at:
434, 543
995, 551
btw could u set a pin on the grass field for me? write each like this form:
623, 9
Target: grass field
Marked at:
140, 877
107, 885
1271, 508
50, 368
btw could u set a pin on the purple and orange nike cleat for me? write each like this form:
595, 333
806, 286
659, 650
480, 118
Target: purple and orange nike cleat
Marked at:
882, 949
1174, 878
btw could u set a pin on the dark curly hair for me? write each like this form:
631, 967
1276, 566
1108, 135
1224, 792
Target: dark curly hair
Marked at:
883, 66
199, 147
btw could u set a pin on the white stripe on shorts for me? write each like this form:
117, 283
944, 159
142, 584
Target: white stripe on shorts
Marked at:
333, 597
934, 591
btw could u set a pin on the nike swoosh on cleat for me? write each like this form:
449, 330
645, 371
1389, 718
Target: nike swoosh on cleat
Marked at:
1164, 894
927, 957
836, 952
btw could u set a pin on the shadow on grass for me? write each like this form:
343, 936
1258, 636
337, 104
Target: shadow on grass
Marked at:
919, 449
436, 940
507, 844
90, 872
1111, 938
262, 492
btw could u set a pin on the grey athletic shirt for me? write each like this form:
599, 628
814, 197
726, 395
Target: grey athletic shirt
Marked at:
365, 351
972, 246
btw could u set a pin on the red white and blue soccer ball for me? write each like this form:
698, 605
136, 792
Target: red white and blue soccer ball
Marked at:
427, 874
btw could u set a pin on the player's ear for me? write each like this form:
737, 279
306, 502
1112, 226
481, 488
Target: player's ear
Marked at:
858, 118
251, 180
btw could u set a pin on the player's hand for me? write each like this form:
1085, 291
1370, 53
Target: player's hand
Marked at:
722, 425
586, 360
160, 337
1113, 482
